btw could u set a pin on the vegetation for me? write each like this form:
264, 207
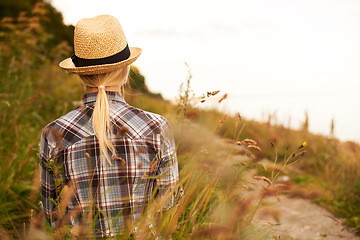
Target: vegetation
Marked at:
331, 167
215, 151
51, 20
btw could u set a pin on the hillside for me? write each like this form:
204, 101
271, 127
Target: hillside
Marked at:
34, 91
50, 19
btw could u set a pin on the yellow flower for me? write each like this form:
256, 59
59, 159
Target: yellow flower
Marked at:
304, 144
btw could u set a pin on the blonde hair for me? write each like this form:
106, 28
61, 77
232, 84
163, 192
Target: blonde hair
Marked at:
101, 115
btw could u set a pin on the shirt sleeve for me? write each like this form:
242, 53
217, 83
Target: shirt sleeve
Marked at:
47, 180
168, 183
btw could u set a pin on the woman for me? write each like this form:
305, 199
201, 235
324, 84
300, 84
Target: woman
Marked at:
105, 150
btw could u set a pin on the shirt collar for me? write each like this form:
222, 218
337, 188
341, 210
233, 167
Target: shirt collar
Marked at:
112, 96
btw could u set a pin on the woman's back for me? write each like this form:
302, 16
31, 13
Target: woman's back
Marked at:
144, 148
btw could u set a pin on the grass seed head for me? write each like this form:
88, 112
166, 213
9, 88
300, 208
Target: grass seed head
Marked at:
123, 130
254, 148
123, 162
250, 141
213, 93
263, 178
223, 97
277, 168
220, 232
139, 166
221, 122
238, 117
140, 150
57, 136
205, 151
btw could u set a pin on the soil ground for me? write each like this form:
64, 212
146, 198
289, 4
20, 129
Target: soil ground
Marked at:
304, 220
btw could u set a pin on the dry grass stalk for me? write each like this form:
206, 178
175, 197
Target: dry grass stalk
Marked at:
4, 235
221, 122
254, 148
217, 232
57, 136
278, 168
213, 93
274, 190
262, 178
270, 212
123, 162
223, 97
296, 192
249, 141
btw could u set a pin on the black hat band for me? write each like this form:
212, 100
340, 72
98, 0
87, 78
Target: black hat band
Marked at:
118, 57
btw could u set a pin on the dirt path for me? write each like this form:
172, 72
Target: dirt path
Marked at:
301, 219
296, 218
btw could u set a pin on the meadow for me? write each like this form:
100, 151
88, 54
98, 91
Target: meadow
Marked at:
215, 151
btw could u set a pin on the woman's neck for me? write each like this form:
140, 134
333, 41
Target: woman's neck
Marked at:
107, 88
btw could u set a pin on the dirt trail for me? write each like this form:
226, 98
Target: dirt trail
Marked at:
296, 218
301, 219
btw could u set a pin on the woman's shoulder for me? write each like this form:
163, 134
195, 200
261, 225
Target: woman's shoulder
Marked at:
72, 125
140, 122
67, 119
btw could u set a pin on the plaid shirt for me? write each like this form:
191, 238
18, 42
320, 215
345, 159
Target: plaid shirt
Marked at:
116, 193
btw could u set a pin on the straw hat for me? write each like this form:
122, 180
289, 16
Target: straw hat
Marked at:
100, 46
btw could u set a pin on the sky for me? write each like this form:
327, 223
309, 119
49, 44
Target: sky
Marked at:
278, 57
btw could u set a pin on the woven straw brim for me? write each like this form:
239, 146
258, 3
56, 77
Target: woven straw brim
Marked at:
69, 66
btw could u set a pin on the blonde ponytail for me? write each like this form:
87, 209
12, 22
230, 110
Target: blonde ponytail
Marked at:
101, 115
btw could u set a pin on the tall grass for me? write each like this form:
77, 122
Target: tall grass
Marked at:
219, 200
31, 94
330, 166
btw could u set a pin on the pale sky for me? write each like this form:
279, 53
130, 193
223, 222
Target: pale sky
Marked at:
282, 56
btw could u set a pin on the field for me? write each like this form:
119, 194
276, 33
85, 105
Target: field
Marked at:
216, 151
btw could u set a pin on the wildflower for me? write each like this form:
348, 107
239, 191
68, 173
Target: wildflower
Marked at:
304, 144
